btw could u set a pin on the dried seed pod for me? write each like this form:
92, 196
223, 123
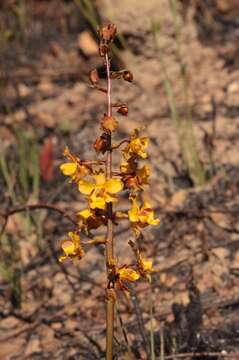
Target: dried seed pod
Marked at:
94, 77
102, 144
123, 110
128, 76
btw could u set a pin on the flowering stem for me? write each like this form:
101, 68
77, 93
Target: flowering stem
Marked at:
109, 237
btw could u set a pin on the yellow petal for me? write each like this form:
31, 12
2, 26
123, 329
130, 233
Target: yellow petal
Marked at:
127, 274
68, 247
146, 206
110, 198
151, 219
68, 169
146, 265
147, 215
85, 187
97, 202
75, 238
62, 258
145, 141
113, 186
154, 222
138, 146
134, 211
99, 178
85, 213
133, 215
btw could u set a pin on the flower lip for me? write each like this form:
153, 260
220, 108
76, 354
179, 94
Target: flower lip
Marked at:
68, 169
72, 247
68, 247
101, 191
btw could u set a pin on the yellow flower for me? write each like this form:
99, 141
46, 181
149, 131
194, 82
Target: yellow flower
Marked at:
136, 147
72, 247
74, 168
125, 274
102, 191
128, 274
137, 180
145, 267
119, 275
141, 217
85, 214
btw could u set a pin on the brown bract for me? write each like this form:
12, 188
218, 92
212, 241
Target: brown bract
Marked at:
131, 182
107, 33
109, 124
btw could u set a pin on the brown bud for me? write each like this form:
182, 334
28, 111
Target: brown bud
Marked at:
101, 145
128, 76
94, 77
123, 110
103, 49
107, 33
109, 124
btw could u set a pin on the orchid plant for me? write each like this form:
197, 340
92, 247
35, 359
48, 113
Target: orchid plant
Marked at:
101, 186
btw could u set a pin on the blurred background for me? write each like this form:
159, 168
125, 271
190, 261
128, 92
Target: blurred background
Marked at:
184, 56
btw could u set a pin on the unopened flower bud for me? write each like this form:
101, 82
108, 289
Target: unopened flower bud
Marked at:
94, 77
128, 76
123, 110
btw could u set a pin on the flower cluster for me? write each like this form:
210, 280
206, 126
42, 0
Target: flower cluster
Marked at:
100, 184
135, 179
